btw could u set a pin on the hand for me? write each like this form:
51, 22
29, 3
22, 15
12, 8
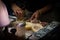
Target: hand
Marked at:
35, 16
17, 11
43, 23
35, 21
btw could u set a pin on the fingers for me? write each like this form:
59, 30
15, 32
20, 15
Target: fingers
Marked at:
43, 23
29, 20
33, 18
18, 13
36, 17
35, 21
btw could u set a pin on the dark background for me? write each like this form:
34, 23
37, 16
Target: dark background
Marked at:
54, 15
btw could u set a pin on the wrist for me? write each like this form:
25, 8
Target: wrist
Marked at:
40, 11
13, 5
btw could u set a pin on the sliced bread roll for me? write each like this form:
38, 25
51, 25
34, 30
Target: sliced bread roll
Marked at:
34, 26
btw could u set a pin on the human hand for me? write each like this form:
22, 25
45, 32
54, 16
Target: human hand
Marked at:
35, 16
17, 11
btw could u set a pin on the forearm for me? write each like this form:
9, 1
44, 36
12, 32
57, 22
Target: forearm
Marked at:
13, 4
15, 7
45, 9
